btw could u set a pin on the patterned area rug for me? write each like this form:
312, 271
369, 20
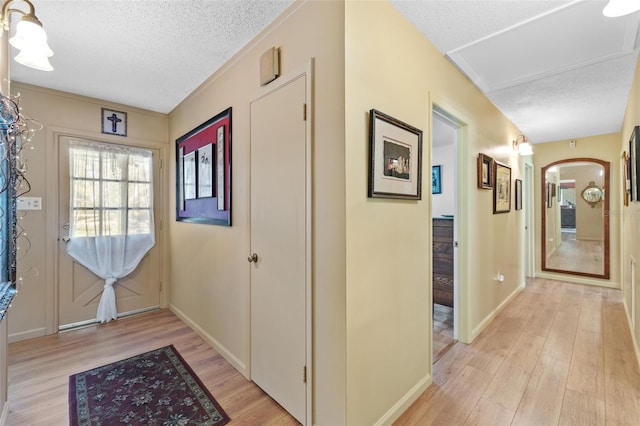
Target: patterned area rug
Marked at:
154, 388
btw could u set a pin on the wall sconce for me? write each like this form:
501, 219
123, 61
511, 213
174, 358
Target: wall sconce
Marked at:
30, 37
617, 8
522, 146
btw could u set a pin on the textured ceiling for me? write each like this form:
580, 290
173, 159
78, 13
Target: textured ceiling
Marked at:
557, 69
145, 53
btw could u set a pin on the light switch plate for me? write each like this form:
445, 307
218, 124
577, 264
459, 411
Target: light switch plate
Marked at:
29, 203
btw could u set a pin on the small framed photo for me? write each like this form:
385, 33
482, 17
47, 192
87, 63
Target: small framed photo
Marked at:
114, 122
436, 181
518, 191
395, 158
549, 196
189, 179
485, 171
205, 171
634, 164
627, 180
502, 188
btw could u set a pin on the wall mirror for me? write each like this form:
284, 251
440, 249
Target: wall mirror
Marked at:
575, 228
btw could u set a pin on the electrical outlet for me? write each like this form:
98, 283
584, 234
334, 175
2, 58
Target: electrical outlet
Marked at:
29, 203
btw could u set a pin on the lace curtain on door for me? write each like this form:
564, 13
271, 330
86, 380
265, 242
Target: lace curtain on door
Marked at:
111, 213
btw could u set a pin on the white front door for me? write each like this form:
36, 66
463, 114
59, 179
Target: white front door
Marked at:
279, 241
79, 289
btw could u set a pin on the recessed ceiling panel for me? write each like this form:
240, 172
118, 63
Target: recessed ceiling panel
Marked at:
568, 38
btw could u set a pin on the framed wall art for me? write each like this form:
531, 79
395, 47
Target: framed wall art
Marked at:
626, 181
502, 188
395, 158
518, 191
485, 171
436, 180
634, 163
114, 122
549, 195
203, 172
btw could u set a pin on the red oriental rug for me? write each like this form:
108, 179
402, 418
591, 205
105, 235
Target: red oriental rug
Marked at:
153, 388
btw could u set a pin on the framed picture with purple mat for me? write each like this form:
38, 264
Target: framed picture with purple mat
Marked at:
203, 172
156, 387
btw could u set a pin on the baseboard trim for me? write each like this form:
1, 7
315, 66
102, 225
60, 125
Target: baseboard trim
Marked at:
401, 406
230, 357
485, 322
633, 334
28, 334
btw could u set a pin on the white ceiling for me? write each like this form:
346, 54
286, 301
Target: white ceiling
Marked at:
557, 69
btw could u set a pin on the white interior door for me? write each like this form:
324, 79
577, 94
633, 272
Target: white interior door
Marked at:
279, 241
79, 289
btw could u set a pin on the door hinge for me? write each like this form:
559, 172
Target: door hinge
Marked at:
304, 112
304, 374
161, 163
161, 225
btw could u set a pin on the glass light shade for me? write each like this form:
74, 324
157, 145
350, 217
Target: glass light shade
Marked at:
30, 36
617, 8
525, 148
34, 60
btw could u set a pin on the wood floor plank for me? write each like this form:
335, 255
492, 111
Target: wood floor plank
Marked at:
510, 382
581, 409
586, 375
542, 401
488, 413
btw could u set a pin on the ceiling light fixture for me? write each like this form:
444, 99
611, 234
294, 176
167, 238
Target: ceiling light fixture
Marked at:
522, 145
30, 37
617, 8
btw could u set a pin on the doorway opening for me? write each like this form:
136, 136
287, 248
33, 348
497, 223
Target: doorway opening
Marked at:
444, 206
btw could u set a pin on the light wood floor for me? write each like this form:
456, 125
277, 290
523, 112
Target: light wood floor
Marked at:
577, 255
558, 354
442, 330
39, 369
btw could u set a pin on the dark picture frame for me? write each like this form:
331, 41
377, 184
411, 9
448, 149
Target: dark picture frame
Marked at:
634, 163
436, 179
395, 158
114, 122
203, 192
518, 194
501, 188
549, 195
485, 171
627, 178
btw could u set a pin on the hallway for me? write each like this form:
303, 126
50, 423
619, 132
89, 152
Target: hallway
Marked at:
559, 353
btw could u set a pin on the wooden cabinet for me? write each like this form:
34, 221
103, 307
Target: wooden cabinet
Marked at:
443, 261
567, 218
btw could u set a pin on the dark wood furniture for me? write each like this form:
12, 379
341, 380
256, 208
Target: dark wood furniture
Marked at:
443, 261
567, 217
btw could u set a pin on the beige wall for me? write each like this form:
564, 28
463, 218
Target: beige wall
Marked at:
33, 310
629, 216
603, 147
210, 276
390, 66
